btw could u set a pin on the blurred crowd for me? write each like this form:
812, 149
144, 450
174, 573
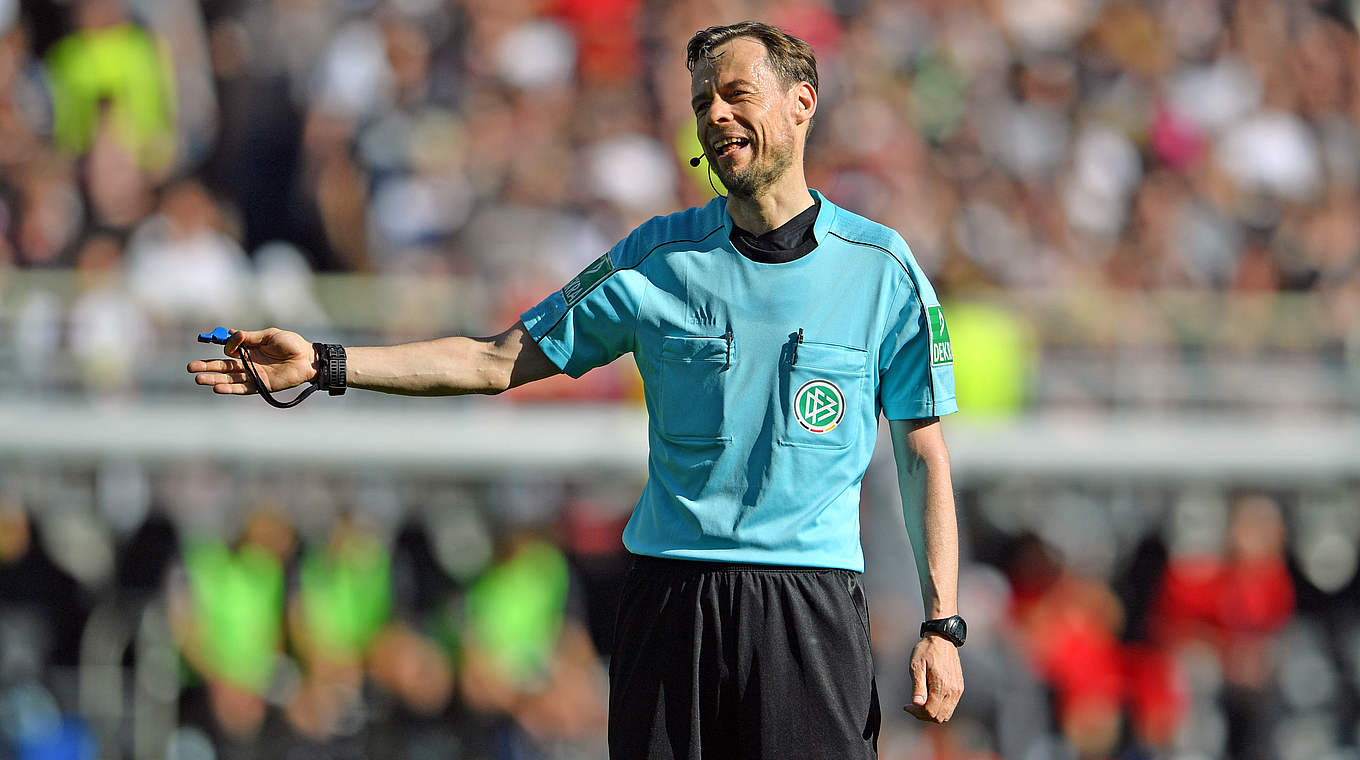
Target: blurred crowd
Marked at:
197, 163
1175, 144
198, 610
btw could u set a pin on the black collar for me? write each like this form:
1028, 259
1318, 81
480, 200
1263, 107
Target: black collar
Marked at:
789, 241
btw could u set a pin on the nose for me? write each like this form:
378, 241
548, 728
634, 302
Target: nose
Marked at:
719, 111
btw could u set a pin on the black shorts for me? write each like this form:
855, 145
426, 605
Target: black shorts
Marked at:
723, 661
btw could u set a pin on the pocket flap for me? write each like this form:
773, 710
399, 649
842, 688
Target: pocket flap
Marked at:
686, 348
832, 358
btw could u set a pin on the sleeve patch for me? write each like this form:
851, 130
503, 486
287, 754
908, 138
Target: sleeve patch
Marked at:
589, 277
941, 353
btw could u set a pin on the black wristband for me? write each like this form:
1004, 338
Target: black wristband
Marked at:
333, 374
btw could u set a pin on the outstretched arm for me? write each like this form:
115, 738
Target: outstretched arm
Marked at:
440, 367
928, 508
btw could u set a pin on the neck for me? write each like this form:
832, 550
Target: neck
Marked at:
773, 206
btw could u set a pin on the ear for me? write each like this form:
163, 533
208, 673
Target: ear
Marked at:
805, 103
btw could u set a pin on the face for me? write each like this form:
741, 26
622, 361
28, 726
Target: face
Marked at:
748, 121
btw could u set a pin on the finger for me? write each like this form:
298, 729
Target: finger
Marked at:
217, 378
215, 365
935, 705
940, 695
954, 693
947, 709
234, 389
924, 715
927, 714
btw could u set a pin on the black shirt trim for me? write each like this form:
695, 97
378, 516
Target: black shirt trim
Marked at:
789, 241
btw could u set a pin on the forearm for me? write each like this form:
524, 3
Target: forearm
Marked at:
932, 525
441, 367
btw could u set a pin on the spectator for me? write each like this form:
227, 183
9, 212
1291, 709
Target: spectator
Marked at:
111, 70
181, 263
1235, 600
105, 315
342, 602
25, 100
527, 653
226, 612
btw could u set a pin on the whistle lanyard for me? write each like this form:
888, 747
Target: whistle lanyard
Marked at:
254, 374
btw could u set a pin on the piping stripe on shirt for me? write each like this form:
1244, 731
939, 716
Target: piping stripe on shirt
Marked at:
604, 279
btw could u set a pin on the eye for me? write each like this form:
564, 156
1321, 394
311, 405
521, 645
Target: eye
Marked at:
701, 107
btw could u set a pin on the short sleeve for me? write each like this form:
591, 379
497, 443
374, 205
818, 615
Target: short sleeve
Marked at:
592, 320
916, 360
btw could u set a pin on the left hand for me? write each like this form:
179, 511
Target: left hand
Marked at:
937, 679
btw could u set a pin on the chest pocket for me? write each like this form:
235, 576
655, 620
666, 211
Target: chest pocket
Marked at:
822, 396
694, 378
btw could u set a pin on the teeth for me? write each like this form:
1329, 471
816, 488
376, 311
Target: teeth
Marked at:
730, 141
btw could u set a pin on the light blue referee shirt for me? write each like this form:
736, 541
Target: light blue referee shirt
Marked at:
763, 382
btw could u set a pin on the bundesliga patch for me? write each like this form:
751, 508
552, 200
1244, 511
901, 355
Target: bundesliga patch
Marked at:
819, 406
940, 351
590, 276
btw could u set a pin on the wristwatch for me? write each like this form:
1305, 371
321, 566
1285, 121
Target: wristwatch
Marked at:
952, 628
332, 375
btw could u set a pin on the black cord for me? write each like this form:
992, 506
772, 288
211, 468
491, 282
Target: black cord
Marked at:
695, 163
264, 390
710, 182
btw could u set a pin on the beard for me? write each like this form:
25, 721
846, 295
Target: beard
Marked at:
753, 180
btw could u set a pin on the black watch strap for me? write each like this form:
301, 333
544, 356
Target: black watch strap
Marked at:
333, 374
951, 628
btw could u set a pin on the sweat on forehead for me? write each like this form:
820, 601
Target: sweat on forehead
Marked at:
790, 58
743, 58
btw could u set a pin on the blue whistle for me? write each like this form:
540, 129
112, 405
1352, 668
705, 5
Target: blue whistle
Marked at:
218, 336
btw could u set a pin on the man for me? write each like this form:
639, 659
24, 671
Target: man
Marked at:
770, 327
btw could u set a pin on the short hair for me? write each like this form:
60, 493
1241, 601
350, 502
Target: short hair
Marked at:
791, 58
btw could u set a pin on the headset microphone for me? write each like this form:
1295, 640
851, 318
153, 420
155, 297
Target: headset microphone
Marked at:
695, 163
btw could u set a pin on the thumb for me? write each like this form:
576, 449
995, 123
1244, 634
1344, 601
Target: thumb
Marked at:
918, 677
243, 337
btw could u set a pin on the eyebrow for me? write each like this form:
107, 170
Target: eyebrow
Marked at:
694, 101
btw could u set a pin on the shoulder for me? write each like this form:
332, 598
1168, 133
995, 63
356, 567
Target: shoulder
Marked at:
693, 225
855, 230
894, 257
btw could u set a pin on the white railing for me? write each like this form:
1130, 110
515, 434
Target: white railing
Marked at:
1172, 384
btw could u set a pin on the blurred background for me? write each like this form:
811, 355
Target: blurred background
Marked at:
1143, 218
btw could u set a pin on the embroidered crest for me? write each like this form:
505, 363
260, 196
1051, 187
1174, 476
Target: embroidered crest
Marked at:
819, 406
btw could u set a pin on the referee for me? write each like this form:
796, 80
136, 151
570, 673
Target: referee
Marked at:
770, 328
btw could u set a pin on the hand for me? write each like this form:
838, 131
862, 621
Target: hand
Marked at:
937, 679
283, 359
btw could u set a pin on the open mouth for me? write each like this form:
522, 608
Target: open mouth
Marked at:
728, 146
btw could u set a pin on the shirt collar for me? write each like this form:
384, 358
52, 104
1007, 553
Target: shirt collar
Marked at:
825, 216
